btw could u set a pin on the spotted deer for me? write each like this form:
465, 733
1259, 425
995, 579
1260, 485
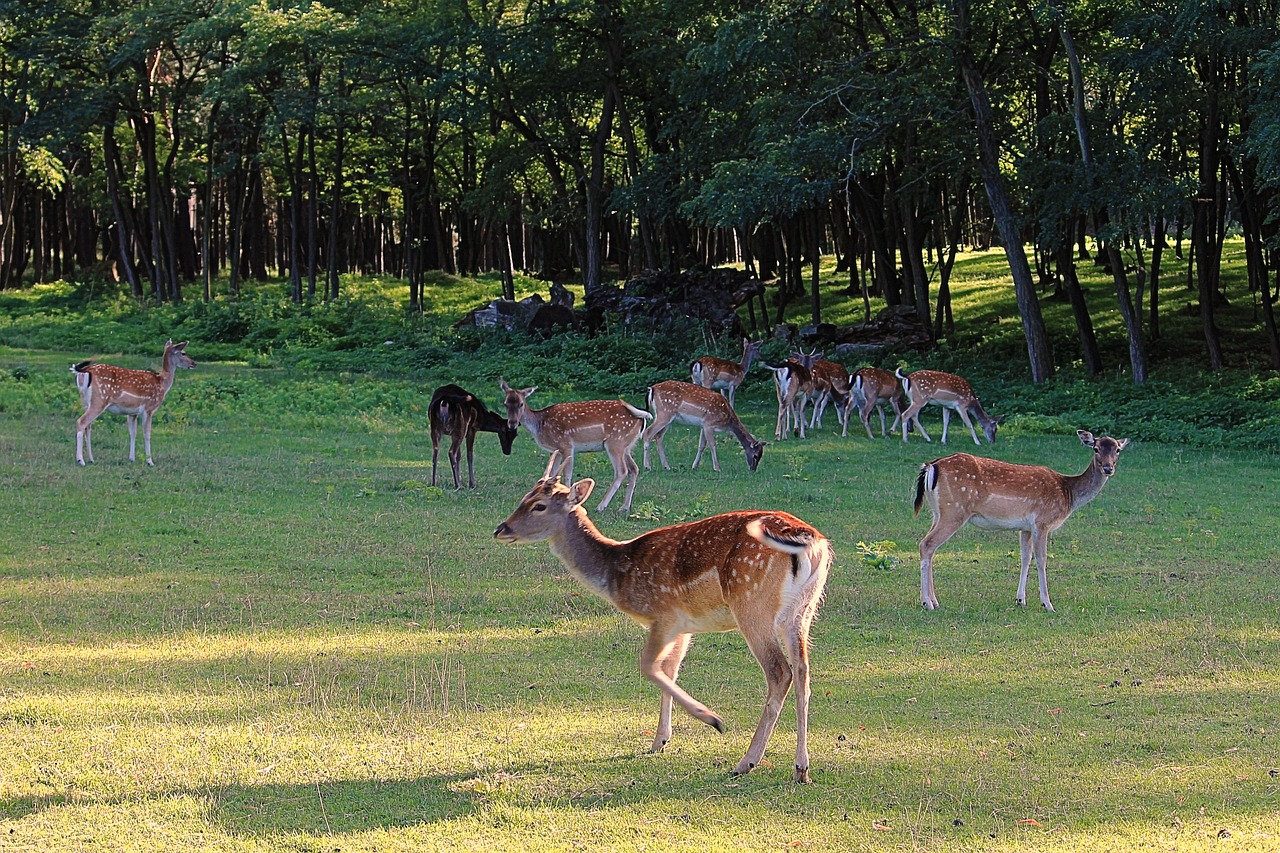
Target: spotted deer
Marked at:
793, 381
722, 374
685, 403
994, 495
952, 393
757, 572
871, 389
613, 426
136, 394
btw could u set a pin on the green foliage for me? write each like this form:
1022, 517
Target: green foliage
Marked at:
879, 555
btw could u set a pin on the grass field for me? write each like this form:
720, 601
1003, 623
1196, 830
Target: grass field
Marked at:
281, 638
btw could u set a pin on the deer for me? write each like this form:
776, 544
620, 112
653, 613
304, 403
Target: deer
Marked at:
831, 385
793, 380
683, 402
872, 388
995, 495
136, 394
949, 391
719, 373
613, 426
758, 572
459, 414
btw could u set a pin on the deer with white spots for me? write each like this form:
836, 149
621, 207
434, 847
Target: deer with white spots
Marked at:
720, 373
759, 573
682, 402
613, 426
794, 383
136, 394
952, 393
871, 389
994, 495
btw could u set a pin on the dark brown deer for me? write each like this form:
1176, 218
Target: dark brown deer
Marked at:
459, 414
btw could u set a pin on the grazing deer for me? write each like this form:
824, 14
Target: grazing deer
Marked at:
949, 391
793, 380
459, 414
872, 388
830, 385
685, 403
995, 495
760, 573
136, 394
613, 426
719, 373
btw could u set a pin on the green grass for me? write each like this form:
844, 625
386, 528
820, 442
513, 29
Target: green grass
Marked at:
282, 639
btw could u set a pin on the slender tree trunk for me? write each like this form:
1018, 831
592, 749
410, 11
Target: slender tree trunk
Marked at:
989, 165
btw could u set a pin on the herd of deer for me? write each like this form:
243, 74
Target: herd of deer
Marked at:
761, 573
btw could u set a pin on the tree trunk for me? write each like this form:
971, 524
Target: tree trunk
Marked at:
989, 165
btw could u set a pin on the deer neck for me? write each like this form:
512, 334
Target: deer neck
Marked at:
586, 552
167, 373
740, 432
748, 355
1085, 487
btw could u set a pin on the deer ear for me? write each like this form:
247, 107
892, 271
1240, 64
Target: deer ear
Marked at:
502, 383
529, 391
580, 491
1086, 437
1123, 443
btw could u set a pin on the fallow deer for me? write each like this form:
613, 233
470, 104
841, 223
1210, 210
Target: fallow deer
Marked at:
613, 426
686, 403
872, 388
136, 394
459, 414
995, 495
760, 573
952, 393
720, 373
830, 385
794, 384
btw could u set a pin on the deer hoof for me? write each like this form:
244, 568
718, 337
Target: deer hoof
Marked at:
802, 776
1021, 602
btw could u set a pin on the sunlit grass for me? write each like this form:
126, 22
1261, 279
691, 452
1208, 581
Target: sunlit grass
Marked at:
281, 639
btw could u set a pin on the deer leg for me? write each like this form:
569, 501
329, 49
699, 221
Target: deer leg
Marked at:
657, 649
795, 634
946, 423
897, 416
633, 472
1024, 543
435, 455
621, 471
865, 413
671, 667
707, 436
455, 458
471, 471
132, 421
84, 435
777, 673
655, 433
1041, 543
964, 416
146, 418
662, 450
932, 541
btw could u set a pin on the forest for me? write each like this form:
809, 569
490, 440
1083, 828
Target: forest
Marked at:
184, 148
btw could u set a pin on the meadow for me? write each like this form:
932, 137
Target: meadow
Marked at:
282, 638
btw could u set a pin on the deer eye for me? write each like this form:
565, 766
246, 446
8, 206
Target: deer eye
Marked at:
539, 507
